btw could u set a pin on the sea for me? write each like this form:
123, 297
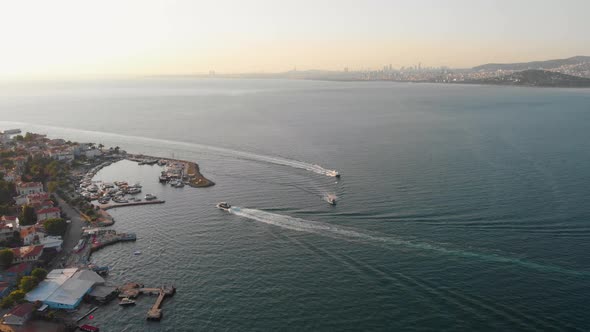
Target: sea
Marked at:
459, 208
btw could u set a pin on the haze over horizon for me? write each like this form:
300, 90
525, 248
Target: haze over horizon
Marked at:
66, 38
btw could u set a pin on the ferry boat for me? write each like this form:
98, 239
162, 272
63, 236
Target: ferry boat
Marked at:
126, 302
223, 206
149, 197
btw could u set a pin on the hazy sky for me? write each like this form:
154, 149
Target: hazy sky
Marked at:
54, 38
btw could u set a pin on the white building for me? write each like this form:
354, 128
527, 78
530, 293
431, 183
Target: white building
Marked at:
27, 188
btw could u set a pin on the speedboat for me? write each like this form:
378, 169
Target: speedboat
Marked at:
331, 199
89, 328
334, 174
126, 302
223, 206
149, 197
137, 253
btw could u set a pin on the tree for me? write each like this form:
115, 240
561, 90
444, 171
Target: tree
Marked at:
27, 216
17, 295
52, 186
7, 191
6, 257
55, 226
39, 274
27, 283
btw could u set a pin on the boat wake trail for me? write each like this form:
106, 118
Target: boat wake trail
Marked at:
350, 234
228, 152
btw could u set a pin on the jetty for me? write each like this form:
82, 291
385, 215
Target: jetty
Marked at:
86, 314
133, 290
155, 313
112, 206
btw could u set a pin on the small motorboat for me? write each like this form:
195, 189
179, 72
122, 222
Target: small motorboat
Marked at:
331, 199
137, 253
126, 302
334, 174
223, 206
149, 197
89, 328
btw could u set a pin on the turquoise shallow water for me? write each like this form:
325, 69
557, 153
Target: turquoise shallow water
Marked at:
460, 207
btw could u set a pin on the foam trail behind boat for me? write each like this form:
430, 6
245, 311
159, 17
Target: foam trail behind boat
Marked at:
346, 233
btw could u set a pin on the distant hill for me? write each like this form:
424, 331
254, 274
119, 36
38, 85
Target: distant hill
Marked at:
535, 77
549, 64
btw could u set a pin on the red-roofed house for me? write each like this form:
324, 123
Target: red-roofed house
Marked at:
26, 188
49, 213
27, 254
42, 205
31, 235
20, 314
37, 197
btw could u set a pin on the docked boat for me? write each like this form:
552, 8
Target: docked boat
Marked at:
89, 328
223, 206
126, 302
149, 197
120, 200
178, 184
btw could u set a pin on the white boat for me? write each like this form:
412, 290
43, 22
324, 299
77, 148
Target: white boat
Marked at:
137, 252
149, 197
331, 199
126, 302
333, 174
223, 206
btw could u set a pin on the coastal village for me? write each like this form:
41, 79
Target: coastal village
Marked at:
52, 218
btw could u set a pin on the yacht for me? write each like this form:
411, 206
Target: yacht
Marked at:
149, 197
223, 206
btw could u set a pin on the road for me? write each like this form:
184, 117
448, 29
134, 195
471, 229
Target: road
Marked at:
74, 231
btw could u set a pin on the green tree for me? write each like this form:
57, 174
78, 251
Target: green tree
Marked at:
39, 274
6, 302
7, 191
55, 226
27, 216
52, 186
17, 295
27, 283
6, 257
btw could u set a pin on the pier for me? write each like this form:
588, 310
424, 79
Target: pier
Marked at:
112, 206
132, 290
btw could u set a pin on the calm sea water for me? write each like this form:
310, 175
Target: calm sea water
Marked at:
460, 207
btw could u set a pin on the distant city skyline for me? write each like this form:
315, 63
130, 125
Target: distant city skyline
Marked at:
67, 38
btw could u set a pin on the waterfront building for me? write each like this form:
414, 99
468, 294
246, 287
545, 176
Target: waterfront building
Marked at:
65, 288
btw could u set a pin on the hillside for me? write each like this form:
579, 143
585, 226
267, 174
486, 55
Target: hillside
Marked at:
548, 64
534, 77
